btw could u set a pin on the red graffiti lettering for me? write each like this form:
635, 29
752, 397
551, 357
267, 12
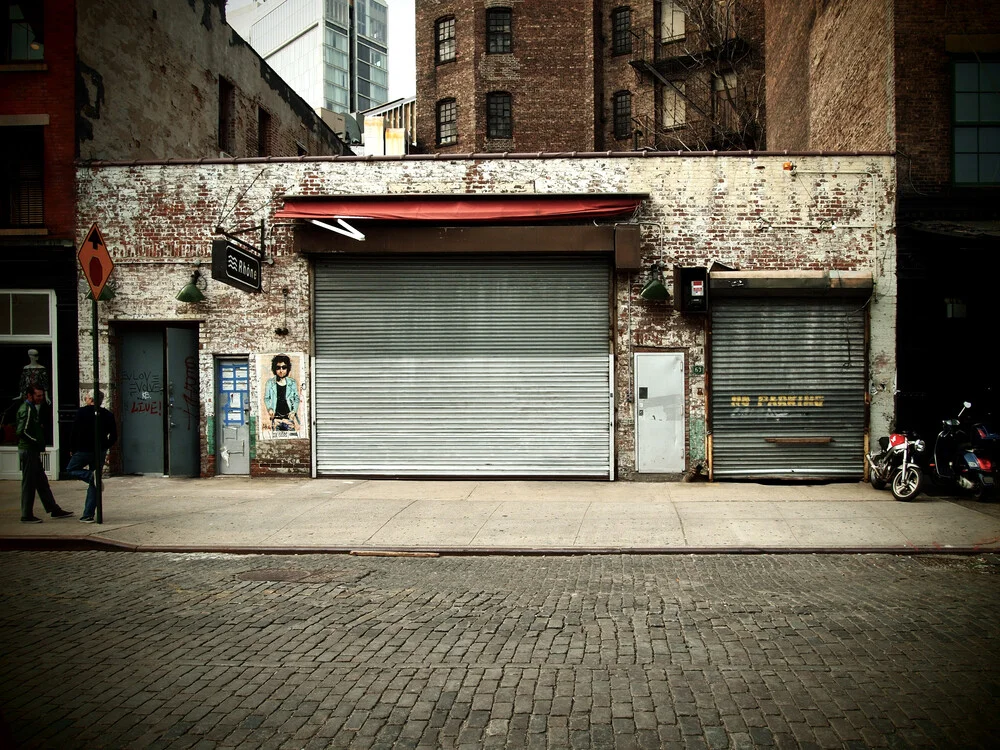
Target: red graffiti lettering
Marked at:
147, 407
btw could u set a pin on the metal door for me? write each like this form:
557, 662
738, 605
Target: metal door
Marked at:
183, 402
659, 412
232, 416
143, 402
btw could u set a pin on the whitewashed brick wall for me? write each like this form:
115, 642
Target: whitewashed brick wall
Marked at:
746, 212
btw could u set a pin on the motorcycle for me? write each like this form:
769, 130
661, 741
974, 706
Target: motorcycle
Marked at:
964, 455
887, 462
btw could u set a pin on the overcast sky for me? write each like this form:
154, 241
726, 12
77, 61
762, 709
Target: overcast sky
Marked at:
402, 70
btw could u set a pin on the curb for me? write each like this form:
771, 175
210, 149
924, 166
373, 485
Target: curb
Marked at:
92, 544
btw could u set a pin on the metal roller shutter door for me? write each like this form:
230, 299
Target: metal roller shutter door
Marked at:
787, 375
463, 365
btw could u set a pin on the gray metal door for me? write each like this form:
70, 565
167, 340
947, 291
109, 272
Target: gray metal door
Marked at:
659, 412
788, 387
463, 365
143, 402
183, 401
232, 416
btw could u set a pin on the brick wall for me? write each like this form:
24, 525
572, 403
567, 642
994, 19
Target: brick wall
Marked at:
149, 86
49, 91
549, 74
747, 213
563, 75
924, 88
829, 75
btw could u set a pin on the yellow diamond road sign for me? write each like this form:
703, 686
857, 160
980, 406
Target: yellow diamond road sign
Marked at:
95, 260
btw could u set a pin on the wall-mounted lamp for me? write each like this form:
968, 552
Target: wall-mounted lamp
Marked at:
655, 290
191, 292
108, 293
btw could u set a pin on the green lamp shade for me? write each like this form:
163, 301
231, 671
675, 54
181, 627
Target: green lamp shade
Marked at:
190, 291
655, 290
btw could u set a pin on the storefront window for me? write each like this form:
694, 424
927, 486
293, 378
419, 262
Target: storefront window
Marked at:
26, 351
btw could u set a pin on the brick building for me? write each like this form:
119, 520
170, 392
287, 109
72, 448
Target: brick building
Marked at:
109, 79
515, 316
589, 75
921, 78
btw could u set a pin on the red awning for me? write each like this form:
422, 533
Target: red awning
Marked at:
462, 208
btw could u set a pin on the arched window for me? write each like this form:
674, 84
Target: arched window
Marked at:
621, 31
623, 114
499, 115
499, 31
445, 47
447, 122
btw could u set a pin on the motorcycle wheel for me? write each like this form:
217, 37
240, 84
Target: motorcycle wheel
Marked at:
979, 492
877, 483
906, 483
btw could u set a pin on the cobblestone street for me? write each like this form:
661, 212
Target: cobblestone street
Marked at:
125, 650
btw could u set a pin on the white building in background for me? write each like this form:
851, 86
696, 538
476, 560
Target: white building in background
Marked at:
334, 53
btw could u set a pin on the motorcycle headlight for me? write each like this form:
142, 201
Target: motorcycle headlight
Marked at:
919, 446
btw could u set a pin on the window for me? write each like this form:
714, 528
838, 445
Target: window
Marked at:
674, 112
446, 47
447, 122
499, 34
23, 31
623, 114
263, 132
227, 120
621, 31
499, 122
21, 189
671, 22
27, 336
724, 101
977, 122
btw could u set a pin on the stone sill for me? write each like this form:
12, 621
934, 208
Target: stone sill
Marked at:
24, 232
24, 67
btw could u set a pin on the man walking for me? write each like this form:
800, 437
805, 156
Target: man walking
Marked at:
30, 444
83, 448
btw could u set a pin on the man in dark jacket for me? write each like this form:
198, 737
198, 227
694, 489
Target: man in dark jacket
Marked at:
30, 444
83, 448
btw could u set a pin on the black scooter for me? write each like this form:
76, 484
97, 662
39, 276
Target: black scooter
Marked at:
962, 457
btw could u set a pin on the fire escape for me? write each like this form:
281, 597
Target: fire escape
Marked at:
703, 79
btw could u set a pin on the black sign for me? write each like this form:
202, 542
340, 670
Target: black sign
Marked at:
235, 265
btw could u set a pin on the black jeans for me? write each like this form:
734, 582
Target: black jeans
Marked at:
33, 480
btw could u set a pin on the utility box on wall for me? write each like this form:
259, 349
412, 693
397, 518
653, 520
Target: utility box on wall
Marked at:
691, 289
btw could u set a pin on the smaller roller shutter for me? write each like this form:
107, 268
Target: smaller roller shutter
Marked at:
788, 387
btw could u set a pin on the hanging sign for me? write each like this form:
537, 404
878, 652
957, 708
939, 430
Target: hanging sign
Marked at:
236, 265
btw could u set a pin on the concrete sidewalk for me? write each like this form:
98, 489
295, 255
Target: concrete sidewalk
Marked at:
483, 516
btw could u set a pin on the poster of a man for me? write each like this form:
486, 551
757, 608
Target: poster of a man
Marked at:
282, 415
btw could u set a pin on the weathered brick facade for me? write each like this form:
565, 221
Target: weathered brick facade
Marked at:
29, 91
552, 46
748, 213
149, 87
116, 79
563, 73
878, 74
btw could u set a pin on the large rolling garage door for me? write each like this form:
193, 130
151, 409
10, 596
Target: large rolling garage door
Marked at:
463, 365
788, 387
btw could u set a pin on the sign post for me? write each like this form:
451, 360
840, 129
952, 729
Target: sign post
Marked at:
96, 263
